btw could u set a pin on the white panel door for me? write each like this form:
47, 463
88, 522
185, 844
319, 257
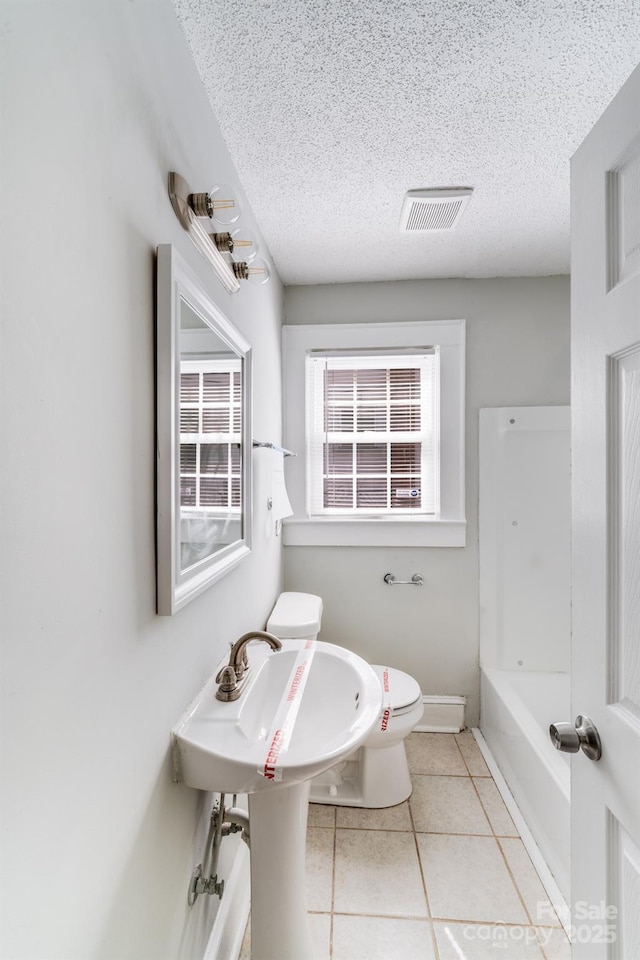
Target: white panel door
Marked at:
605, 285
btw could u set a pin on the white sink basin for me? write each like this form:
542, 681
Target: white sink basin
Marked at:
224, 747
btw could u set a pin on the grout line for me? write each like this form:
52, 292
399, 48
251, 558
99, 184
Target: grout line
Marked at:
458, 776
482, 807
485, 807
408, 917
376, 829
466, 765
459, 833
515, 882
486, 775
333, 882
331, 917
490, 923
434, 942
454, 776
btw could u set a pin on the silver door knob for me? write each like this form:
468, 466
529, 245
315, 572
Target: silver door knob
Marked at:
572, 737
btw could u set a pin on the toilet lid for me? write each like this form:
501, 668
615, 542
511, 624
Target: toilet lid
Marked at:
295, 615
403, 689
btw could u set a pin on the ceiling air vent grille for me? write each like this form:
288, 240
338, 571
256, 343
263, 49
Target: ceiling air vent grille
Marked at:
430, 210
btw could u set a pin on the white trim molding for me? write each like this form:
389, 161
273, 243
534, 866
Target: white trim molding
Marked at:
442, 714
312, 531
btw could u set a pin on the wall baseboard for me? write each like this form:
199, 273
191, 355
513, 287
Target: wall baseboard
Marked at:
228, 929
442, 714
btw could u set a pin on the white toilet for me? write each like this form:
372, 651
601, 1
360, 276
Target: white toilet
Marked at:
377, 774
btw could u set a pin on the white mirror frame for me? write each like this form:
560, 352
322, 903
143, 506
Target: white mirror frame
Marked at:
177, 282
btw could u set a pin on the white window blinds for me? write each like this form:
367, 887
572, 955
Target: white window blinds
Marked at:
210, 434
372, 433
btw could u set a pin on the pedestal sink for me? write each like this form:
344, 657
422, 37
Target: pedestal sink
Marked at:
302, 709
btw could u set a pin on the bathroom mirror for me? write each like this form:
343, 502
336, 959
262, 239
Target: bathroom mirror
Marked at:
203, 451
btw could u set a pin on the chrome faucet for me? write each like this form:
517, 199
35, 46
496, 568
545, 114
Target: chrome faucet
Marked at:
232, 677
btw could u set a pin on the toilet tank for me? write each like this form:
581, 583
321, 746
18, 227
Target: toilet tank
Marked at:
296, 616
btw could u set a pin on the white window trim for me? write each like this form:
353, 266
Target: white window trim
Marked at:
449, 529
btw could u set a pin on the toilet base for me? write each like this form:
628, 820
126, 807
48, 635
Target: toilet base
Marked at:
369, 778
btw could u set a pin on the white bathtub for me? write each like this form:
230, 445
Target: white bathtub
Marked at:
517, 708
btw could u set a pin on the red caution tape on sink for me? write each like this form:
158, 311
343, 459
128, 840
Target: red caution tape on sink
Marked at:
285, 717
386, 700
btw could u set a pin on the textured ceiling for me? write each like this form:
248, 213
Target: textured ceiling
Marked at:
332, 109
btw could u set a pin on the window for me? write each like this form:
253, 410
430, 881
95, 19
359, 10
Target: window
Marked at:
372, 434
210, 435
375, 412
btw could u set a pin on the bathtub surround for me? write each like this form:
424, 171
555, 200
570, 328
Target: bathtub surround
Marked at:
525, 607
100, 101
517, 333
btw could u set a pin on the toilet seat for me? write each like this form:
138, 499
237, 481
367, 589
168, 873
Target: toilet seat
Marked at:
404, 691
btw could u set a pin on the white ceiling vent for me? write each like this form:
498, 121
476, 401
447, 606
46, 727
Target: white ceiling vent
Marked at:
429, 210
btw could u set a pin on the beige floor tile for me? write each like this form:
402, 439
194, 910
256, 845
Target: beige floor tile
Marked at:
321, 815
320, 925
528, 883
377, 872
319, 864
467, 879
555, 945
485, 941
499, 817
447, 805
472, 755
386, 818
436, 753
381, 938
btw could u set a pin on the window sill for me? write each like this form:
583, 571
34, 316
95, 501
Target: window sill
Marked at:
374, 533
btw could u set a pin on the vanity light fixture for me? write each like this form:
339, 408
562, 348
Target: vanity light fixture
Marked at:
220, 204
243, 247
222, 249
257, 271
241, 244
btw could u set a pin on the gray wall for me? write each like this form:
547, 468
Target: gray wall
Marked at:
517, 354
100, 101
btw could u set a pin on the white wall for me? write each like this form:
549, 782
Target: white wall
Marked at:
517, 354
100, 101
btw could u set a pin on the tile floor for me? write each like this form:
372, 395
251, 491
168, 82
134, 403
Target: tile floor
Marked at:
443, 876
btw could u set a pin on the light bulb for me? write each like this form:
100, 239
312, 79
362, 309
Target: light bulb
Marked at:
222, 241
245, 245
241, 244
219, 204
257, 271
224, 204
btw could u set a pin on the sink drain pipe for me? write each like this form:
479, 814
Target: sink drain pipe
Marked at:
222, 823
